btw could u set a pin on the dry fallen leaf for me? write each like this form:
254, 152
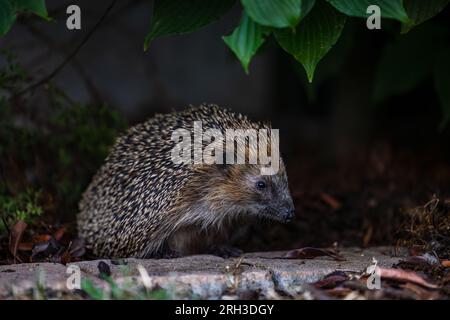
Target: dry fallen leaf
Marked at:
405, 276
422, 294
331, 281
66, 257
38, 238
25, 246
330, 200
425, 262
445, 263
59, 233
311, 253
416, 250
15, 237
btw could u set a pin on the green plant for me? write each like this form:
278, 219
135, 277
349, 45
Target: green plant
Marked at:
85, 135
9, 9
48, 158
122, 292
23, 206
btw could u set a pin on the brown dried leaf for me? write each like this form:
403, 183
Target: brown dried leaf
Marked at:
311, 253
66, 257
405, 276
330, 201
38, 238
416, 250
15, 237
426, 263
331, 280
25, 246
446, 279
422, 294
60, 233
445, 263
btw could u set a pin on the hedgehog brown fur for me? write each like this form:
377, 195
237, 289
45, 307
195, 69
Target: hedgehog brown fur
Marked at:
142, 204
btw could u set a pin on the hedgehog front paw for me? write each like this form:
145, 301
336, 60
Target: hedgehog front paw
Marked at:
227, 251
171, 254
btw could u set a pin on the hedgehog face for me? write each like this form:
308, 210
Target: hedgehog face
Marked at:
271, 196
266, 196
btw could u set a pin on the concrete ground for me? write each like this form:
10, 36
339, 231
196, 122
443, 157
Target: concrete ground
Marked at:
200, 276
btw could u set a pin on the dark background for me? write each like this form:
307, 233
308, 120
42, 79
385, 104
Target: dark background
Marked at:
354, 166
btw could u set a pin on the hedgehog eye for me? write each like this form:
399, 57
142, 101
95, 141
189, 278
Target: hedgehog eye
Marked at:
260, 184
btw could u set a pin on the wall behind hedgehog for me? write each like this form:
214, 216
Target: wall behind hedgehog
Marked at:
191, 69
175, 72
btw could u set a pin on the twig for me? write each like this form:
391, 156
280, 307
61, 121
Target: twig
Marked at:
69, 57
78, 66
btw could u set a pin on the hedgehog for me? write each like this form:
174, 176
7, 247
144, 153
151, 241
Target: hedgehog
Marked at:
141, 204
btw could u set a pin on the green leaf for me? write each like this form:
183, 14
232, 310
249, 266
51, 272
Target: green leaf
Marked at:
7, 16
246, 39
313, 37
420, 11
442, 84
279, 13
331, 66
33, 6
182, 16
94, 293
407, 61
392, 9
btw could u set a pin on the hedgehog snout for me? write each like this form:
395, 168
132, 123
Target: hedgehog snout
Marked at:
287, 212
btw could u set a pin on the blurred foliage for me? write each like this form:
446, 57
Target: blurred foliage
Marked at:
23, 206
307, 30
9, 9
178, 17
48, 152
319, 32
409, 60
319, 22
125, 291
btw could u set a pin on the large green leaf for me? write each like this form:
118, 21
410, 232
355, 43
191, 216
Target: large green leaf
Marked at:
420, 11
442, 83
358, 8
278, 13
246, 39
183, 16
313, 37
331, 66
407, 61
34, 6
7, 16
